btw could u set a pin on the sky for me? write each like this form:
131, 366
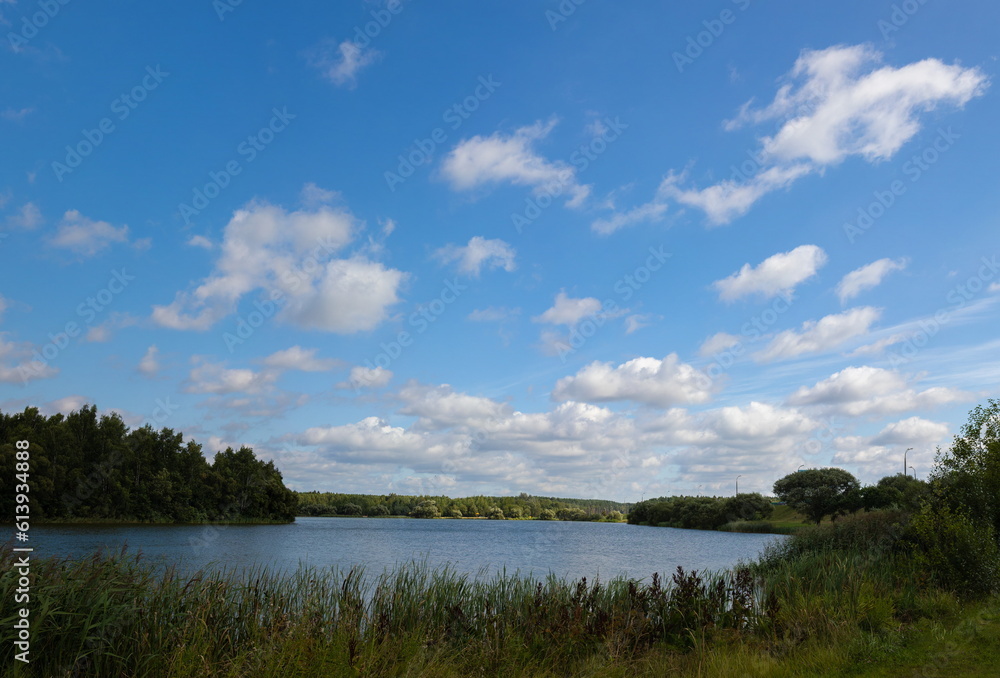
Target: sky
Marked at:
580, 248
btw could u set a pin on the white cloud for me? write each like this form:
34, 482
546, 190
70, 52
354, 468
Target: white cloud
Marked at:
441, 407
149, 365
302, 359
867, 277
367, 377
200, 241
841, 102
660, 383
637, 321
478, 253
340, 64
729, 199
569, 311
85, 236
29, 217
290, 256
863, 391
18, 364
718, 342
911, 431
206, 377
837, 103
650, 212
511, 158
757, 421
778, 274
817, 336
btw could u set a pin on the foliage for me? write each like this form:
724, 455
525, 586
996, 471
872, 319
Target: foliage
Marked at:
817, 492
426, 509
90, 468
495, 513
700, 513
968, 474
521, 506
547, 514
960, 553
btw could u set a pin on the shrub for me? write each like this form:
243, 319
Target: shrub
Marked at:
959, 552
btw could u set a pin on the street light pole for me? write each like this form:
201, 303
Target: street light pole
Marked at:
914, 472
800, 467
738, 484
904, 460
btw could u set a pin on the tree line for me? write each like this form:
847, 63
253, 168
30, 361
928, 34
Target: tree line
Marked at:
88, 467
522, 506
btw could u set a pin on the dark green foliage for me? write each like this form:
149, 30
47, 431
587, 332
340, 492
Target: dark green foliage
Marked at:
819, 492
426, 509
522, 506
90, 468
699, 513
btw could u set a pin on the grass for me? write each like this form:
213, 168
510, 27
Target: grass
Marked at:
838, 600
783, 520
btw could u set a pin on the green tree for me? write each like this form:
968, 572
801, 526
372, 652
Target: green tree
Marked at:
817, 492
968, 475
495, 513
546, 514
426, 509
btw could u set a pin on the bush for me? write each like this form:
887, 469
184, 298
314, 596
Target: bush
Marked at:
426, 509
546, 514
959, 553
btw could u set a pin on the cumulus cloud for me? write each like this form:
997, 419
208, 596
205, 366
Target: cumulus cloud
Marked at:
86, 237
819, 336
569, 311
215, 378
501, 158
778, 274
494, 314
865, 390
367, 377
867, 277
341, 63
478, 253
650, 381
302, 359
650, 212
911, 431
290, 258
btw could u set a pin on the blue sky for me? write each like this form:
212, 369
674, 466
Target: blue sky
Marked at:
578, 249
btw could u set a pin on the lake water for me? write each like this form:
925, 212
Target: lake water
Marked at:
567, 549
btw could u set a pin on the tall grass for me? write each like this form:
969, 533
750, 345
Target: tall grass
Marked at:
839, 591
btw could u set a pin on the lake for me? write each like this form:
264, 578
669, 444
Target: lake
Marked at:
567, 549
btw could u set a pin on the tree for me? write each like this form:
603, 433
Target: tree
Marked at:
495, 513
546, 514
455, 513
748, 506
426, 509
817, 492
968, 475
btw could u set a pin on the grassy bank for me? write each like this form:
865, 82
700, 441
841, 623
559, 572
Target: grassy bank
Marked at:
841, 599
783, 520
